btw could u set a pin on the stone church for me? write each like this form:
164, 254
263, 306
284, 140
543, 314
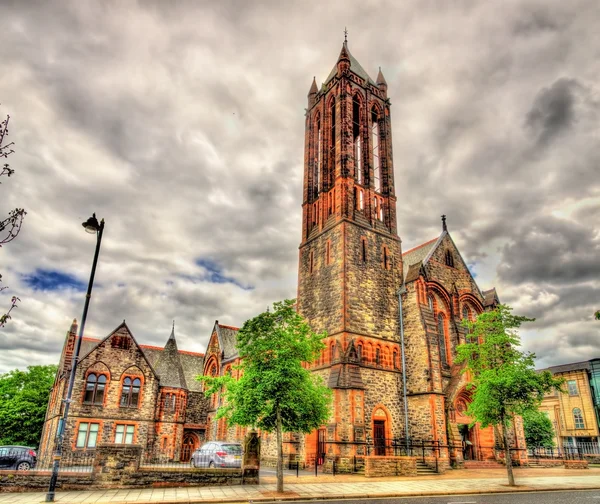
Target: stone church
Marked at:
393, 318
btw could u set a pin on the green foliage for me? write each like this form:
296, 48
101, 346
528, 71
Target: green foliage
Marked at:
597, 315
272, 347
504, 380
538, 429
23, 402
275, 391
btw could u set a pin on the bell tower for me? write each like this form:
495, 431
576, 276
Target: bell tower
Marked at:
350, 264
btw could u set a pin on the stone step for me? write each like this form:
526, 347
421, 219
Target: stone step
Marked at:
424, 469
482, 464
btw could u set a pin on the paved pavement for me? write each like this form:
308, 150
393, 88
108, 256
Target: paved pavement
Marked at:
329, 487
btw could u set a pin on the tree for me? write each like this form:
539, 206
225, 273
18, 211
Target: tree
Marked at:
275, 391
538, 429
23, 403
504, 381
597, 315
11, 225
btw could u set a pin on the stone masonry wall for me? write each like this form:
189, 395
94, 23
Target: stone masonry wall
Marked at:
390, 466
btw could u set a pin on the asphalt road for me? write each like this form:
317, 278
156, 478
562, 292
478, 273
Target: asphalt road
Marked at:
569, 497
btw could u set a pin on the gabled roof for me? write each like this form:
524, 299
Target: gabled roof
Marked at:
121, 325
227, 336
180, 373
417, 255
490, 297
355, 66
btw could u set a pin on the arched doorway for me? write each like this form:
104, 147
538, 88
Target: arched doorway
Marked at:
189, 445
380, 428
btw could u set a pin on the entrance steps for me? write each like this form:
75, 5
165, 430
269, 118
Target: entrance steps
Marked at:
423, 469
482, 464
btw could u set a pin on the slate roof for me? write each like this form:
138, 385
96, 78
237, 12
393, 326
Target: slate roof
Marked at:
228, 340
168, 366
490, 297
565, 368
172, 374
416, 255
355, 66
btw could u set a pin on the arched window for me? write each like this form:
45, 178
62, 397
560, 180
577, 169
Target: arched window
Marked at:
332, 352
170, 402
359, 351
430, 302
466, 313
395, 363
377, 356
449, 259
578, 418
356, 139
364, 249
319, 160
386, 259
442, 339
375, 149
130, 393
94, 389
332, 148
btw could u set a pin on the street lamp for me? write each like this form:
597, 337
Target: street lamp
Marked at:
91, 226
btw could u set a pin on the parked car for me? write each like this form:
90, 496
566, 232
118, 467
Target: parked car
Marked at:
21, 458
218, 454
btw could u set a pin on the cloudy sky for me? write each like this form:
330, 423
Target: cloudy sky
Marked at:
181, 123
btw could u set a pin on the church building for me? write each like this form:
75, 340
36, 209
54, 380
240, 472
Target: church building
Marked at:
393, 319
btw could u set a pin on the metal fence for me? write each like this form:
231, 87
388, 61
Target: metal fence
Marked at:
564, 453
586, 447
79, 462
220, 458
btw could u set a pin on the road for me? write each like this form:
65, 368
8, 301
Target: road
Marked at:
569, 497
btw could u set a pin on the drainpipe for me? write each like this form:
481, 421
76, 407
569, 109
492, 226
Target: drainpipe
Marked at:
400, 293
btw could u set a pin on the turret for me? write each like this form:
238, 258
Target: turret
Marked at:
381, 83
312, 93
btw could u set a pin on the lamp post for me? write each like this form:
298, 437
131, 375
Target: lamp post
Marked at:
91, 226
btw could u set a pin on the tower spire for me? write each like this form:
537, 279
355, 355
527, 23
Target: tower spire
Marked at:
345, 35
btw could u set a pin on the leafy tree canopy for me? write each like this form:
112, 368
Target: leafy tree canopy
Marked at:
504, 379
23, 403
538, 429
275, 391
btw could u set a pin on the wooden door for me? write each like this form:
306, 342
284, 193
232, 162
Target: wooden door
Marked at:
379, 436
190, 443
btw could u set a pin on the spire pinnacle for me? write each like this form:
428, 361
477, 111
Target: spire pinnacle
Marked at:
345, 35
313, 87
444, 227
381, 78
172, 331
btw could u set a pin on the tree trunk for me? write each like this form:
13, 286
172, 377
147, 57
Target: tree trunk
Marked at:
279, 453
507, 457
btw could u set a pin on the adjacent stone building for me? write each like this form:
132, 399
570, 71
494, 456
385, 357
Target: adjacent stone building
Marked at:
127, 393
393, 319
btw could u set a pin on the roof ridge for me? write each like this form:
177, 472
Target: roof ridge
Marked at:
89, 338
419, 246
189, 352
229, 327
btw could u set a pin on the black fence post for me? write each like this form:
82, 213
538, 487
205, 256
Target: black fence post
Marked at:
423, 449
333, 466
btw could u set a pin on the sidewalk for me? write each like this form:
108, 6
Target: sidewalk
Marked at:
329, 487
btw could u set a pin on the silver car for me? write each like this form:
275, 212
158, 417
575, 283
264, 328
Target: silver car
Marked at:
218, 454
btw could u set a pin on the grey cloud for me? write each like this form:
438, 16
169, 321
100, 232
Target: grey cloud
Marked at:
553, 110
183, 126
551, 250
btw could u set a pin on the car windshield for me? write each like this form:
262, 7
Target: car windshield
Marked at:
232, 449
